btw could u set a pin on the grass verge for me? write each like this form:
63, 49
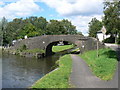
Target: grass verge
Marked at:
36, 50
105, 65
58, 78
61, 48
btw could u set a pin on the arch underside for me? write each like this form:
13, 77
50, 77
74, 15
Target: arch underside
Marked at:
49, 47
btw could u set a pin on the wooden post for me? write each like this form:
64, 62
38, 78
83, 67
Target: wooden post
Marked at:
97, 48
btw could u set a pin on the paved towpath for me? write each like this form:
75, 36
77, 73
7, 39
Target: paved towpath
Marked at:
82, 77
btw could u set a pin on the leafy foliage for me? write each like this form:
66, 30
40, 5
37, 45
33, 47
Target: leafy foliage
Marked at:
23, 47
111, 19
33, 26
94, 26
36, 50
3, 31
109, 40
56, 27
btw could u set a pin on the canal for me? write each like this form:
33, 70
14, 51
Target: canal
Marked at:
21, 72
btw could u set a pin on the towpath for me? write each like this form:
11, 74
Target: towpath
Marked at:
82, 76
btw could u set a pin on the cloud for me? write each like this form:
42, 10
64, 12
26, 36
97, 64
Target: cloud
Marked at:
76, 7
79, 12
20, 8
81, 22
2, 3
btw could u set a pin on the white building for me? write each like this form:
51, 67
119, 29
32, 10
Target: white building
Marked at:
101, 35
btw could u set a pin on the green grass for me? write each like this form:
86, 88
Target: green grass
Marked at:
105, 65
58, 78
61, 48
36, 50
75, 50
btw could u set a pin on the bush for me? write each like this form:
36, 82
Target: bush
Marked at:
109, 40
23, 47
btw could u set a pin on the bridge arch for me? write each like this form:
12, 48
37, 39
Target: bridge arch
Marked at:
49, 51
46, 42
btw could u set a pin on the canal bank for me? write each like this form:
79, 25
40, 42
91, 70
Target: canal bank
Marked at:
37, 52
58, 78
22, 72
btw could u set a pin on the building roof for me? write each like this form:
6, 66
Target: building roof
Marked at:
99, 31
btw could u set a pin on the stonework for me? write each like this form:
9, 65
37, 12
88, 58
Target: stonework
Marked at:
47, 41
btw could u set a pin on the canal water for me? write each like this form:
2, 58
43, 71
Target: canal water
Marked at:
21, 72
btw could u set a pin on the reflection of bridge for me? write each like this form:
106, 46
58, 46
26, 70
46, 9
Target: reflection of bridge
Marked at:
47, 41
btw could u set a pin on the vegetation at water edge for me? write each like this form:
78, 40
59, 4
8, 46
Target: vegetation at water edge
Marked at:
58, 78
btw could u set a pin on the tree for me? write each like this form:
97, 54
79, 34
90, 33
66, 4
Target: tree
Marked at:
80, 33
3, 31
94, 26
29, 30
111, 19
54, 27
68, 27
34, 26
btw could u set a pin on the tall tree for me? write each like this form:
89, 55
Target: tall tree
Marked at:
30, 30
4, 23
54, 27
60, 27
68, 27
112, 17
94, 26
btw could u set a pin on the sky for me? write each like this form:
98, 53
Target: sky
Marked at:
79, 12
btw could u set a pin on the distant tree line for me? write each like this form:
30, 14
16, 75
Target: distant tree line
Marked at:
111, 21
33, 26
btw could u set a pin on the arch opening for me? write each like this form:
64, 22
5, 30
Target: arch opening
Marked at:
56, 43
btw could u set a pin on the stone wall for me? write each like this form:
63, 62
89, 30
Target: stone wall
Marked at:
42, 42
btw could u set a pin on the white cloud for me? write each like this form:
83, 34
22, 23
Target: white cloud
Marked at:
79, 12
2, 3
20, 8
76, 7
81, 22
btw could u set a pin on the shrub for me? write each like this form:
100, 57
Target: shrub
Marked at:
109, 40
23, 47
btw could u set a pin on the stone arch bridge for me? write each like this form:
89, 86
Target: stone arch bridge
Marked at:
46, 42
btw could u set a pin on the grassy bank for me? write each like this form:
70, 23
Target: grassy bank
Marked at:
61, 48
105, 65
58, 78
33, 53
36, 50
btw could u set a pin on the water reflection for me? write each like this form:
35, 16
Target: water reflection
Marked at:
20, 72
